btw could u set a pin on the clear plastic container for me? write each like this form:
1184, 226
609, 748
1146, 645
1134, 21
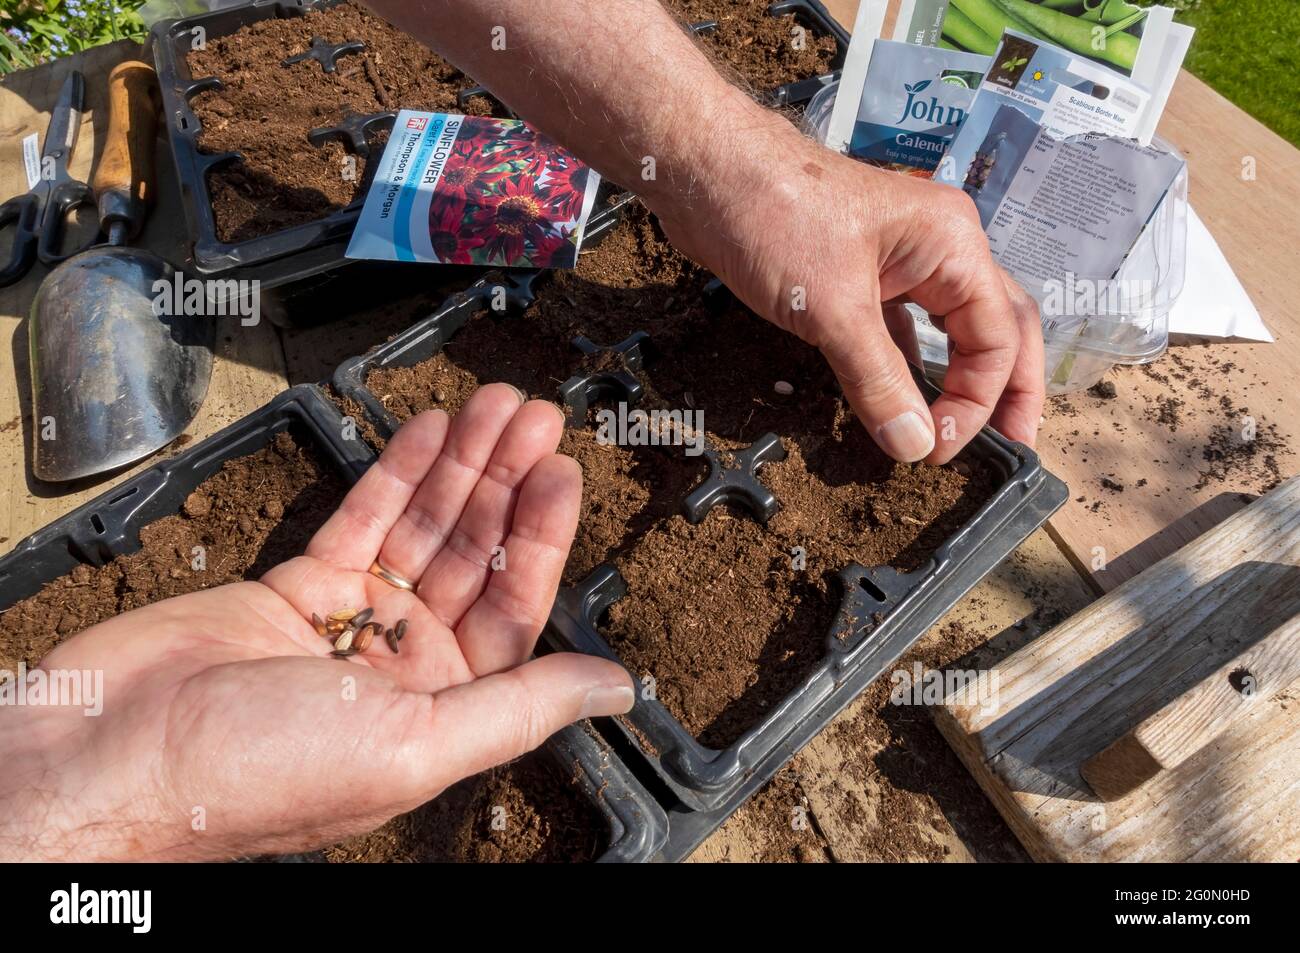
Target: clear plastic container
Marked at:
1121, 321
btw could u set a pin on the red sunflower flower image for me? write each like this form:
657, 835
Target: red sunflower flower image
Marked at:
471, 171
483, 130
556, 250
452, 242
536, 150
513, 218
568, 190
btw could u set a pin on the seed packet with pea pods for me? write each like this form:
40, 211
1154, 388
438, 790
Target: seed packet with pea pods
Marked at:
474, 190
1118, 34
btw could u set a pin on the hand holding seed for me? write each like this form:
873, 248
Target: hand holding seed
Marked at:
229, 730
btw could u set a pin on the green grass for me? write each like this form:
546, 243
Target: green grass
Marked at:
36, 31
1249, 50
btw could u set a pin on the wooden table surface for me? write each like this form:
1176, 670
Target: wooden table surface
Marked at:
1098, 539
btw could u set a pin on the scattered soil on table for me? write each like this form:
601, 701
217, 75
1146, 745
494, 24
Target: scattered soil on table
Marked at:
547, 819
780, 825
922, 786
265, 111
752, 47
1203, 419
254, 513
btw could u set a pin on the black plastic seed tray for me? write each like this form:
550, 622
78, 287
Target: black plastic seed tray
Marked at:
882, 612
313, 249
109, 526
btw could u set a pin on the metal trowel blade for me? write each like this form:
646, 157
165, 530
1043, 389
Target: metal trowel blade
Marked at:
112, 380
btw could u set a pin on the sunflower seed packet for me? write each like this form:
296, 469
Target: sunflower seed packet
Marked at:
474, 190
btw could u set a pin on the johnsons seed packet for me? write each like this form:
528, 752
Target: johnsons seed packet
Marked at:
913, 100
473, 190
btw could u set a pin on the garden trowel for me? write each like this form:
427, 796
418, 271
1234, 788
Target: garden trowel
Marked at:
114, 376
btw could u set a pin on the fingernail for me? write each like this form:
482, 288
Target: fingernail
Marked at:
607, 700
559, 410
907, 437
523, 398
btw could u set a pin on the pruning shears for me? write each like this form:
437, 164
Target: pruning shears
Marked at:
38, 216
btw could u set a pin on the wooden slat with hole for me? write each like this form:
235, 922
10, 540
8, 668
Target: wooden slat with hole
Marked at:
1173, 629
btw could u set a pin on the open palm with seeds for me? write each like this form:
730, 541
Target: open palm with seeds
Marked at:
228, 728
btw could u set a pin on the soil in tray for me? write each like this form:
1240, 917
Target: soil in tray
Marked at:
759, 50
530, 810
720, 615
714, 356
257, 511
266, 110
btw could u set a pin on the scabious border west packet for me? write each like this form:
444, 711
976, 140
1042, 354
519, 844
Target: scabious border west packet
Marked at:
474, 190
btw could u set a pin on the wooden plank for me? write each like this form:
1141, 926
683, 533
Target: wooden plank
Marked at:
1074, 691
249, 368
1183, 727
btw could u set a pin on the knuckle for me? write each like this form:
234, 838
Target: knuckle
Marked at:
528, 714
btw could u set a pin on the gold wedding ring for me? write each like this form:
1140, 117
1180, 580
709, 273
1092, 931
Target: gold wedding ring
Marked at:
392, 578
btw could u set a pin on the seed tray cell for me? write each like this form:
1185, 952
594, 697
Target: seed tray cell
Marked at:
109, 526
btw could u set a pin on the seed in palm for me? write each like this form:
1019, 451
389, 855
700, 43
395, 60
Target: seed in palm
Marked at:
361, 641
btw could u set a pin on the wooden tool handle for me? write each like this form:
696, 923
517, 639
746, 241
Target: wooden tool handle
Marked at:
1191, 721
124, 179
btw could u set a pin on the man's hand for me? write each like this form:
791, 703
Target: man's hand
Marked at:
228, 730
764, 208
828, 249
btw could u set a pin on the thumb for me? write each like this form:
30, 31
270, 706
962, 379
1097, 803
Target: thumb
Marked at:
879, 387
494, 719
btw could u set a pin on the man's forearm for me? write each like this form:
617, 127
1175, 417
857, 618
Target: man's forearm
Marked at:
618, 81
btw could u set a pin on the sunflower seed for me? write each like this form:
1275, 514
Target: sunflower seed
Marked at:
361, 618
399, 630
365, 635
342, 615
784, 388
345, 653
344, 641
391, 638
318, 624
